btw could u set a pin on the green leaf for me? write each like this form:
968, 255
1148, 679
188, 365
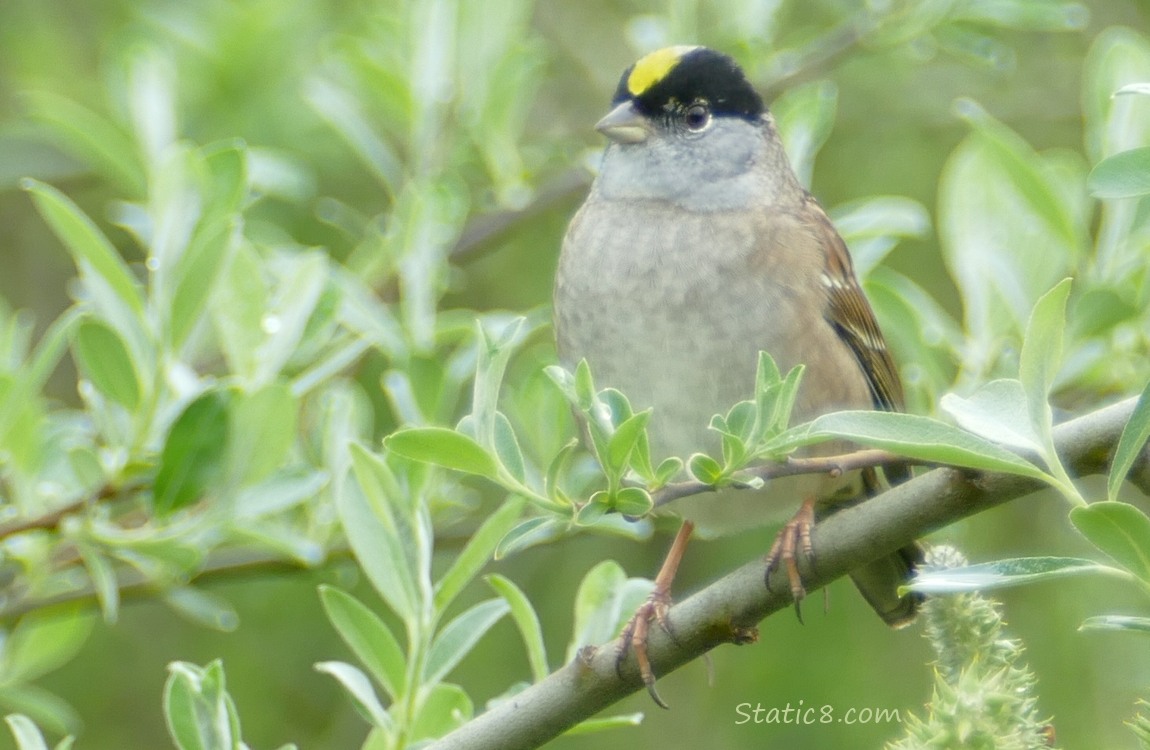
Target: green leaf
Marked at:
369, 638
477, 552
605, 600
624, 439
556, 468
196, 273
282, 491
494, 353
359, 689
594, 509
89, 247
202, 608
227, 165
584, 386
1124, 175
922, 439
872, 227
704, 468
997, 411
1022, 165
192, 460
26, 732
667, 470
1117, 622
378, 545
526, 620
238, 307
45, 708
507, 448
302, 283
446, 708
263, 429
602, 724
1041, 356
459, 636
533, 531
91, 137
443, 447
197, 708
633, 501
105, 361
42, 642
1133, 440
1001, 574
805, 115
104, 581
1118, 529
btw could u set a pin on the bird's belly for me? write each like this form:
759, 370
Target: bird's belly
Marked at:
655, 318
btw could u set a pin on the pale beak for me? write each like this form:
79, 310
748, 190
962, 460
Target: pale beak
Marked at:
624, 124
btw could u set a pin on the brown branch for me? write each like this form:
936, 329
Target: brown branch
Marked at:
485, 230
729, 610
831, 465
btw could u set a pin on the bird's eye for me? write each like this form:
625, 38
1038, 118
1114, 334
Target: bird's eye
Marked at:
697, 117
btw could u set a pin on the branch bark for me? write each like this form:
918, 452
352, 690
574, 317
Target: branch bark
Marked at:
729, 610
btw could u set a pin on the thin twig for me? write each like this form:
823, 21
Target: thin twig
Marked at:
831, 465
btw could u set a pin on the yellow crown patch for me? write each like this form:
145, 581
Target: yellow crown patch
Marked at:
654, 66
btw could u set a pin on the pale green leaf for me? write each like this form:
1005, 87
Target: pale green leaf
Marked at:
195, 276
87, 244
602, 724
378, 546
1001, 574
445, 708
633, 501
704, 468
1130, 445
1124, 175
263, 428
26, 733
605, 600
1117, 622
805, 115
43, 641
526, 620
997, 411
105, 361
91, 137
104, 581
197, 708
477, 552
459, 636
369, 638
624, 439
359, 689
530, 532
1118, 529
922, 439
202, 607
47, 709
1042, 354
443, 447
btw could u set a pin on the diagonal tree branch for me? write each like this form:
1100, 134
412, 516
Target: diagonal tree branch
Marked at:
728, 610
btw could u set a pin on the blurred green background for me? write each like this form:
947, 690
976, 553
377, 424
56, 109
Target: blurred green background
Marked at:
243, 68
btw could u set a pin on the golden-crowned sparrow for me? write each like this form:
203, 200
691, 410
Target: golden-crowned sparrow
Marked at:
696, 248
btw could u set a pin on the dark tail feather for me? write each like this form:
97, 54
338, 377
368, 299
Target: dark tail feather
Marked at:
878, 582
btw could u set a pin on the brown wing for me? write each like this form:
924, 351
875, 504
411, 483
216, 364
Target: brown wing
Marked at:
850, 314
